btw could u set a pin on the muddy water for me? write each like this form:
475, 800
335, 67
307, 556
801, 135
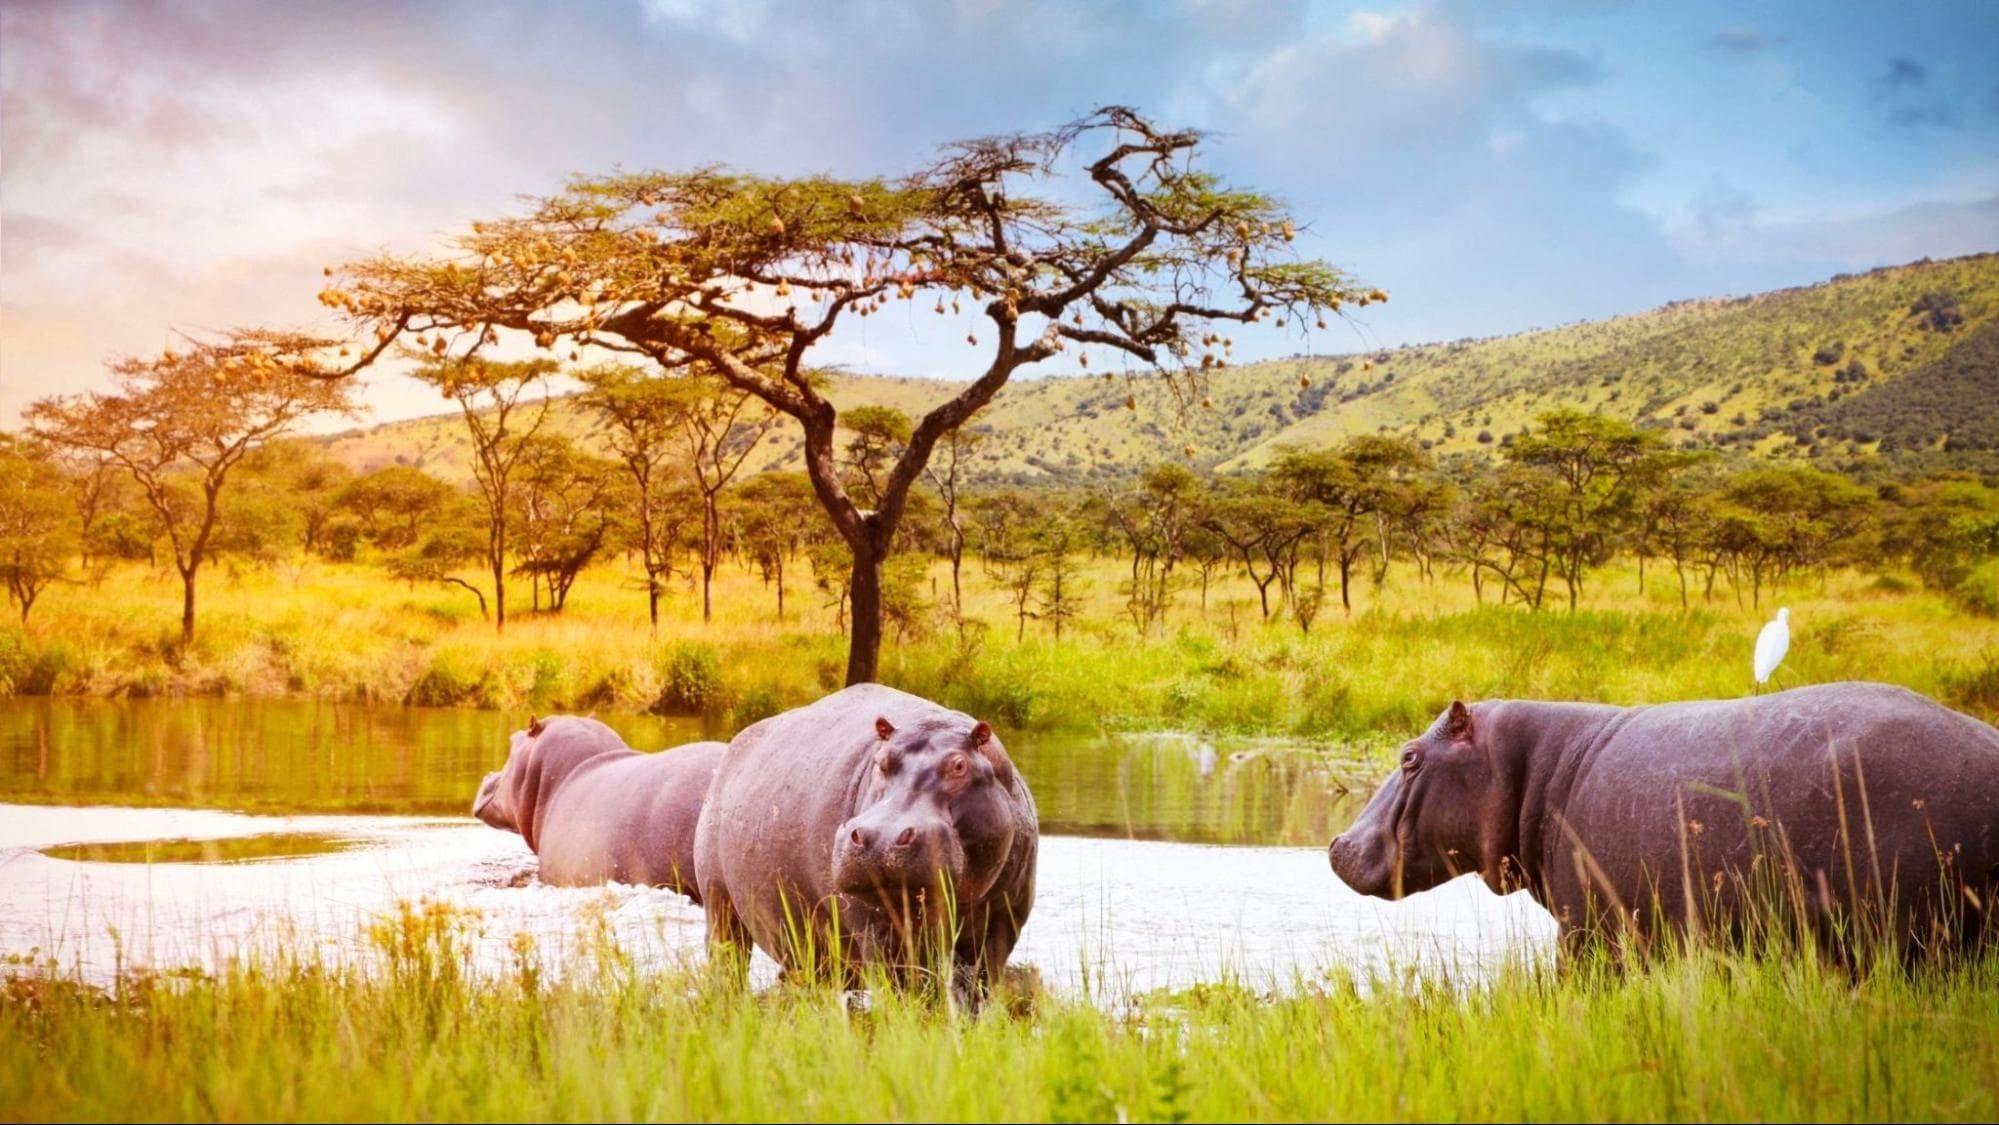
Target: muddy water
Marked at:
1165, 860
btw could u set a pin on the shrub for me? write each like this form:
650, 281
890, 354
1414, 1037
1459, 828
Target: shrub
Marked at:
690, 681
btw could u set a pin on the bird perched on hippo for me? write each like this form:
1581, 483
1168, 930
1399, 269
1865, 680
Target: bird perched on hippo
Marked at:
594, 810
1867, 808
872, 828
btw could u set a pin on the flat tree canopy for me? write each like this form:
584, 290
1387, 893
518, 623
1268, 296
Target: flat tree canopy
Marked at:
1104, 233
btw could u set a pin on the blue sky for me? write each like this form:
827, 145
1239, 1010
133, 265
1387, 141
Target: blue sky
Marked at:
1496, 166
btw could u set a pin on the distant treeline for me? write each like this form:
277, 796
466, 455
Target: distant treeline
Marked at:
1564, 499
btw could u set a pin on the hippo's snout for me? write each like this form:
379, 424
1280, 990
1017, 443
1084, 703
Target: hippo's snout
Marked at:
879, 853
482, 805
1363, 864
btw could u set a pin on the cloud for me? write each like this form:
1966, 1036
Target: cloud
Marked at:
1726, 225
1744, 40
1904, 72
1435, 172
1904, 92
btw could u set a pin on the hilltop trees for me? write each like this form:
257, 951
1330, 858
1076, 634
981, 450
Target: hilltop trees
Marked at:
744, 276
181, 421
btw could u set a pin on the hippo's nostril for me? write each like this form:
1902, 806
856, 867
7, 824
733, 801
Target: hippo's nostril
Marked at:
908, 834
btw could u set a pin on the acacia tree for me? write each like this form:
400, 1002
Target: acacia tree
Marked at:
1154, 518
489, 394
563, 502
774, 513
180, 421
744, 276
1596, 460
719, 430
959, 447
1352, 490
393, 507
39, 528
636, 416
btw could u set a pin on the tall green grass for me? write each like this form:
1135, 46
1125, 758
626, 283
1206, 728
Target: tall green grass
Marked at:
412, 1032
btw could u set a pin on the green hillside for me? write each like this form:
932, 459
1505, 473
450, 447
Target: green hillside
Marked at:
1897, 367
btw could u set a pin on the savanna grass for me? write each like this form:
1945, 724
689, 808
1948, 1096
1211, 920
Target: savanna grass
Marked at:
349, 633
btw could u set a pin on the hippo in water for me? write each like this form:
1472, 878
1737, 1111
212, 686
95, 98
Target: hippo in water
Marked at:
870, 828
597, 811
1855, 805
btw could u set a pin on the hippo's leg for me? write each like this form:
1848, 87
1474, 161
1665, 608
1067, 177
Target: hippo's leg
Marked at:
981, 955
729, 940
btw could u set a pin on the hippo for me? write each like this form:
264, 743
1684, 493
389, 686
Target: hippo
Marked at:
1857, 810
870, 829
597, 811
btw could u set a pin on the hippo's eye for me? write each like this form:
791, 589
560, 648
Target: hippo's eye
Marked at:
957, 766
885, 762
1411, 759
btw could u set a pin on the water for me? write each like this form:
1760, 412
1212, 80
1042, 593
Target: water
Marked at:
1135, 890
291, 757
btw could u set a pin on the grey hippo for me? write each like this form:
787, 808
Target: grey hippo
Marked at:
872, 828
597, 811
1859, 808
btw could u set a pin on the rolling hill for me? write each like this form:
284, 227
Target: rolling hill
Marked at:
1897, 368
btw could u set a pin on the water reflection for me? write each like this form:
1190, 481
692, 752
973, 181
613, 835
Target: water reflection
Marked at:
304, 757
219, 849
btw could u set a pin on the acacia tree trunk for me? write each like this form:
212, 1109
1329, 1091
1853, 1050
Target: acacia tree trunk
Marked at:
187, 574
711, 552
497, 557
865, 590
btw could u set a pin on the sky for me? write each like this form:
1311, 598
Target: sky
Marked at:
1496, 166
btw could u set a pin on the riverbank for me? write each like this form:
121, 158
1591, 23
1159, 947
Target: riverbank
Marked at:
347, 633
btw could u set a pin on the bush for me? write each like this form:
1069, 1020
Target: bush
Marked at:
446, 683
29, 669
1979, 590
690, 682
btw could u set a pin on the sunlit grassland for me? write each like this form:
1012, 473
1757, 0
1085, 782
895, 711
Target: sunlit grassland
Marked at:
410, 1032
347, 632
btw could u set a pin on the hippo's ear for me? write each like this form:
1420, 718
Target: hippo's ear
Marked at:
883, 728
535, 727
985, 747
1457, 724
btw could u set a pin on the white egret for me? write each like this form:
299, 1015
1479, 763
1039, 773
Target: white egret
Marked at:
1771, 645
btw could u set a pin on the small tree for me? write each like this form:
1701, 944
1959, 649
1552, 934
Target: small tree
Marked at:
1062, 584
394, 507
181, 421
1153, 519
639, 418
488, 395
721, 428
39, 527
1011, 549
774, 516
1351, 491
1597, 460
563, 502
949, 476
1264, 531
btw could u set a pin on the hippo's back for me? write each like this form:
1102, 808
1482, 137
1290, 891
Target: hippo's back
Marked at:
632, 819
1859, 785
